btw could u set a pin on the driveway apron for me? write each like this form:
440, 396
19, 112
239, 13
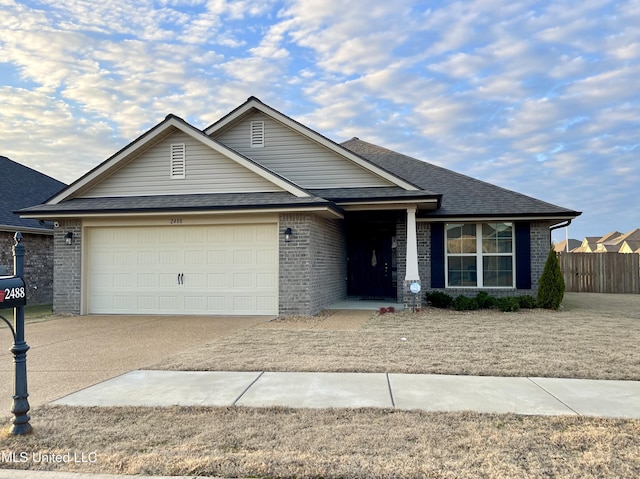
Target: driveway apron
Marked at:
75, 352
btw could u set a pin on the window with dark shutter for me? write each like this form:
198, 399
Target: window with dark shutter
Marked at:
523, 255
437, 255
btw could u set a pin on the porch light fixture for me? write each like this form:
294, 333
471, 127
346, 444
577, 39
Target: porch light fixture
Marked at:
287, 235
68, 238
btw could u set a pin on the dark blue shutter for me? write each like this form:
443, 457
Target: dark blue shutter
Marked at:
437, 255
523, 255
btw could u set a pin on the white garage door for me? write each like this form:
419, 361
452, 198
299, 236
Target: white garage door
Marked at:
214, 269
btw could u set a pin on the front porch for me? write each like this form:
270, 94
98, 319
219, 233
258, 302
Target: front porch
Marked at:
365, 305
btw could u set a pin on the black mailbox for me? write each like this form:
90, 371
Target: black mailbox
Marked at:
12, 292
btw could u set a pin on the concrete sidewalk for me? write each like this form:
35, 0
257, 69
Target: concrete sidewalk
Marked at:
426, 392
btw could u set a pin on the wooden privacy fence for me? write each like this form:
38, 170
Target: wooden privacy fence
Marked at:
600, 272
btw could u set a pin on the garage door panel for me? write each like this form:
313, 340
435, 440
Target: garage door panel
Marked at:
217, 257
147, 303
195, 280
147, 258
147, 280
217, 280
217, 304
123, 280
266, 257
266, 280
147, 236
168, 257
225, 269
195, 257
168, 303
243, 303
194, 304
266, 303
243, 257
124, 303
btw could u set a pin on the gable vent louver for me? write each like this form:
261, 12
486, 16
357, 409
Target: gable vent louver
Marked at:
178, 160
257, 134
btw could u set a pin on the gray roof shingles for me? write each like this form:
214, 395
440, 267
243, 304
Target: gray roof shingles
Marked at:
22, 187
204, 202
458, 195
461, 195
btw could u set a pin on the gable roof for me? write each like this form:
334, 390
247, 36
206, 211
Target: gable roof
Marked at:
21, 187
612, 236
157, 133
562, 245
633, 235
438, 192
254, 104
630, 246
462, 196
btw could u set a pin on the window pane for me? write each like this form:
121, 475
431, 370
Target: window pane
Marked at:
497, 271
462, 271
496, 238
461, 238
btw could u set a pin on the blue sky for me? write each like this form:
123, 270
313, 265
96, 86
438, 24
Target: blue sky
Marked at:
538, 97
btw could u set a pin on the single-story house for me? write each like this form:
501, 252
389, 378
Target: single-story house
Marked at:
259, 214
21, 187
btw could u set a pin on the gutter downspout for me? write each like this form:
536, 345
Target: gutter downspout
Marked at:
561, 225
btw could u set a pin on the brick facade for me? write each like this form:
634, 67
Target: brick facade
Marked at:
67, 275
313, 266
38, 264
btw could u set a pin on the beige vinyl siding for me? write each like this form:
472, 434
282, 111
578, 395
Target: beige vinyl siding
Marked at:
206, 171
296, 157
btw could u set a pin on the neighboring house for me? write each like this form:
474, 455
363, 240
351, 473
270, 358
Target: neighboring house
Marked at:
258, 214
632, 246
614, 242
561, 246
589, 245
21, 187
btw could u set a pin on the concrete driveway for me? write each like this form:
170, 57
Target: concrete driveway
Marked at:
72, 353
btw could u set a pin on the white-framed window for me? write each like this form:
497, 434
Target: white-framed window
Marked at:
257, 134
480, 255
178, 161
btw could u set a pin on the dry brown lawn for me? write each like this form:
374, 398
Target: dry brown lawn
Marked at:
594, 336
364, 443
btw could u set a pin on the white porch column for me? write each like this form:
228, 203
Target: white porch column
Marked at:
412, 246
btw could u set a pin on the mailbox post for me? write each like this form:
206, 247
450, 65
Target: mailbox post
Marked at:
13, 295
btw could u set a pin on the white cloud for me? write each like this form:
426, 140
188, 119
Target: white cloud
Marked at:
46, 135
489, 87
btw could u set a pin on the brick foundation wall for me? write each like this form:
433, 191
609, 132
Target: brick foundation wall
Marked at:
67, 273
312, 265
38, 264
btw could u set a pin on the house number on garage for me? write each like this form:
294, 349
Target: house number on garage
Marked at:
175, 221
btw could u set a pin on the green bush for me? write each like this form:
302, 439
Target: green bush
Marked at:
462, 303
485, 301
551, 288
508, 304
527, 302
438, 299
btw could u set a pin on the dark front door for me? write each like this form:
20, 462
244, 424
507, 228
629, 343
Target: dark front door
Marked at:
372, 261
